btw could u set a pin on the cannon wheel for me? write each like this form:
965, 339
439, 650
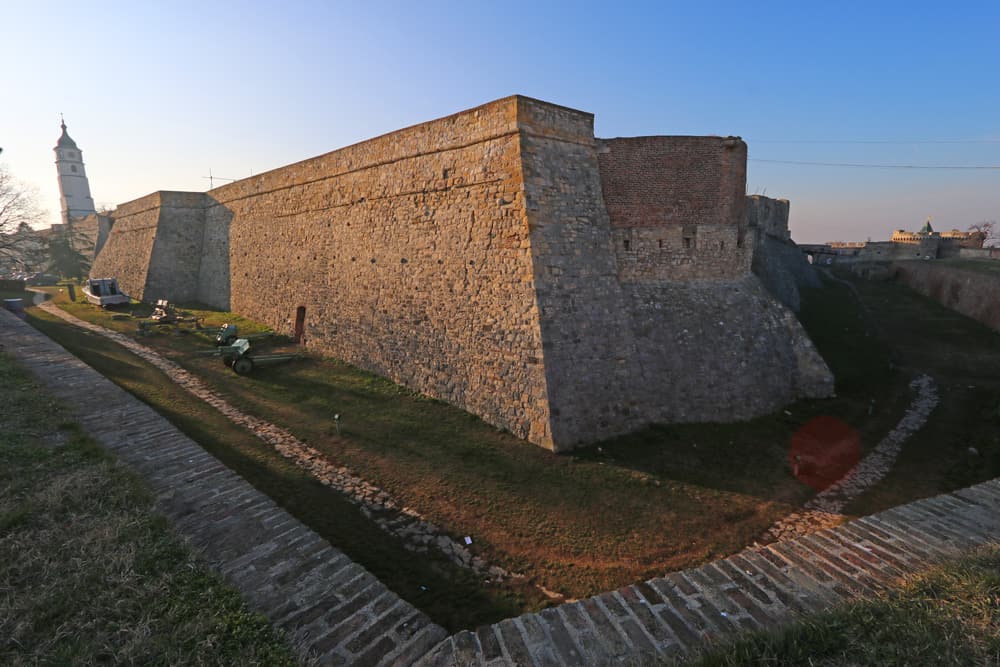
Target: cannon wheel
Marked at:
243, 365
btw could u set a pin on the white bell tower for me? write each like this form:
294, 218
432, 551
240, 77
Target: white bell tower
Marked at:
74, 190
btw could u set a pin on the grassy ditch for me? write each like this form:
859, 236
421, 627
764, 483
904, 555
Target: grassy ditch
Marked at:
948, 616
667, 498
987, 266
88, 574
960, 445
451, 596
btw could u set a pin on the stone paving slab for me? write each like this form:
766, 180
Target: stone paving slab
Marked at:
334, 611
342, 615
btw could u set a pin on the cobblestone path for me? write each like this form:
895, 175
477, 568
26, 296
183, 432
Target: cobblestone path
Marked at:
825, 508
341, 613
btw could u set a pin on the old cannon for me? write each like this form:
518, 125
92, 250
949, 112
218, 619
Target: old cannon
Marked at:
241, 358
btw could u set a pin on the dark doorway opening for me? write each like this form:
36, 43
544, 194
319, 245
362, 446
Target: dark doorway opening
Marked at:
300, 324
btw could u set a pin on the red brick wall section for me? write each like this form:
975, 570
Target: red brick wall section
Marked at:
654, 181
676, 206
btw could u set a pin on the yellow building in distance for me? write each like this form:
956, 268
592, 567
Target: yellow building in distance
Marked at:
927, 232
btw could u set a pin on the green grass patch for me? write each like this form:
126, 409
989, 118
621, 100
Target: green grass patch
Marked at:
947, 616
960, 444
667, 498
452, 596
987, 266
88, 574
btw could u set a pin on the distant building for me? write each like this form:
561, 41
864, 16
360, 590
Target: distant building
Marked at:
89, 228
922, 244
74, 189
927, 232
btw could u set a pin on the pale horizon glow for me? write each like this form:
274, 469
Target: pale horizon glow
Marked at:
158, 97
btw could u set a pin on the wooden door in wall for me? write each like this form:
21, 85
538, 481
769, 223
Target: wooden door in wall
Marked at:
300, 324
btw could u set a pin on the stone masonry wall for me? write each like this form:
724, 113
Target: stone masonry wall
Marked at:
127, 253
156, 249
623, 350
213, 274
717, 352
90, 233
973, 293
676, 207
177, 248
583, 323
411, 255
479, 259
777, 261
769, 216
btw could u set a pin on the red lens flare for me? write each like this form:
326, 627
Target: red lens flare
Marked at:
823, 451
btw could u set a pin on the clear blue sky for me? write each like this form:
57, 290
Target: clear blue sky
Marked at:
158, 93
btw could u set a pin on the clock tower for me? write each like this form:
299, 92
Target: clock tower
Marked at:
74, 190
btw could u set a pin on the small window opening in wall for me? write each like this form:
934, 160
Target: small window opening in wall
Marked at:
627, 243
688, 242
300, 324
72, 168
722, 245
659, 242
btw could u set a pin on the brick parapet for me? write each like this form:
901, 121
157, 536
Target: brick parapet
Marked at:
676, 206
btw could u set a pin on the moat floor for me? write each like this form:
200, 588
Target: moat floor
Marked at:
339, 613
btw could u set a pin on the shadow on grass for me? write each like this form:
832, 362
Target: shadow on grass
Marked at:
451, 596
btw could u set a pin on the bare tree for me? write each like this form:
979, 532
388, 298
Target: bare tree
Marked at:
985, 233
18, 212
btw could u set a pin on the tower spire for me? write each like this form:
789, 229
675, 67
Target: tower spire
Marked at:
74, 190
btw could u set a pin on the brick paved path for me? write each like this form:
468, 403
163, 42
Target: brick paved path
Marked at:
758, 588
341, 613
333, 609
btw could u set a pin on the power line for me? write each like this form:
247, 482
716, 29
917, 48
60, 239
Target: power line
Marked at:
877, 166
873, 141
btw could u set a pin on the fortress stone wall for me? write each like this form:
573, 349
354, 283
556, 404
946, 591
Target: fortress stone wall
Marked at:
481, 259
971, 292
777, 260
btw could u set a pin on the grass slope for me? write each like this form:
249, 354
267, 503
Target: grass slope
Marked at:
666, 498
947, 616
88, 574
